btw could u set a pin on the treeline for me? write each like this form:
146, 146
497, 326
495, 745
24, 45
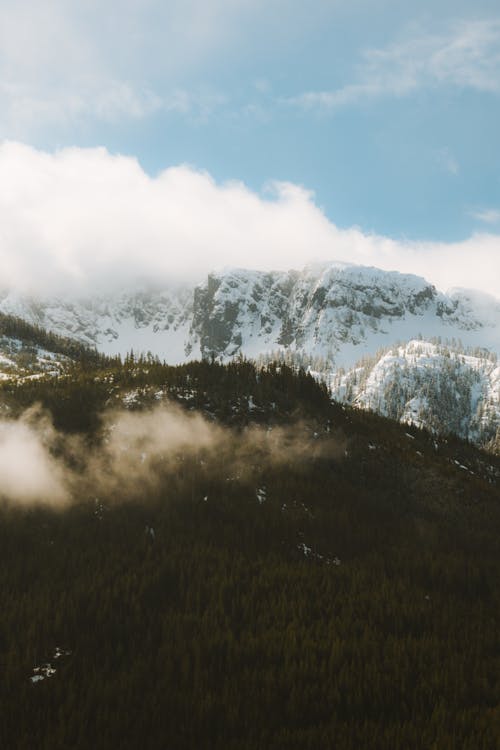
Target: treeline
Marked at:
236, 392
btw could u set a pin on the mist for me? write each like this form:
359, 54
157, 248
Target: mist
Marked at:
29, 472
85, 220
138, 451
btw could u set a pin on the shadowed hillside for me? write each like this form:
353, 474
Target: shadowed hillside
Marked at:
323, 577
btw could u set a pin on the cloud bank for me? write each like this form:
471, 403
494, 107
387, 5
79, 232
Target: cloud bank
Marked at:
80, 220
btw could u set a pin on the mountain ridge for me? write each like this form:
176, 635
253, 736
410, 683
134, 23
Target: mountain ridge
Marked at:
337, 311
326, 318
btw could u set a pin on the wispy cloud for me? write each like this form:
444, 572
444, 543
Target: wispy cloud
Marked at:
53, 72
62, 63
466, 56
110, 101
487, 215
448, 162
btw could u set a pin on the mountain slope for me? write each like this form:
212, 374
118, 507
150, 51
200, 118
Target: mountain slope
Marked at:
347, 599
430, 385
29, 351
140, 320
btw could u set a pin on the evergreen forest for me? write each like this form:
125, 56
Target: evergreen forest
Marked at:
336, 590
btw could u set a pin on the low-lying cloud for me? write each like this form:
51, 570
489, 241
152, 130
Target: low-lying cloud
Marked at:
84, 219
29, 472
137, 451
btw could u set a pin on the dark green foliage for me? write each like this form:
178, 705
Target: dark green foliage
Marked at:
220, 632
76, 401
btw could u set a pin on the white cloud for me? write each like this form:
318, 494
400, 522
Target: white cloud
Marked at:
487, 215
466, 56
29, 473
83, 218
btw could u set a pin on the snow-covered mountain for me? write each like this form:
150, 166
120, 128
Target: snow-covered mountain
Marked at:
327, 316
430, 385
142, 320
337, 312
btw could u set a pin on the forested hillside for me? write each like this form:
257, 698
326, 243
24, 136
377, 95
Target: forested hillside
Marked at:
28, 350
444, 387
286, 573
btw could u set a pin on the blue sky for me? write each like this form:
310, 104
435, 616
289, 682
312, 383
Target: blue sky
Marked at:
387, 112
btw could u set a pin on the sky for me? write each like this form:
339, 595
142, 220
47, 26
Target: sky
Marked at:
163, 138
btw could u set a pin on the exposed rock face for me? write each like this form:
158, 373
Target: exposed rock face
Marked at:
331, 310
334, 311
